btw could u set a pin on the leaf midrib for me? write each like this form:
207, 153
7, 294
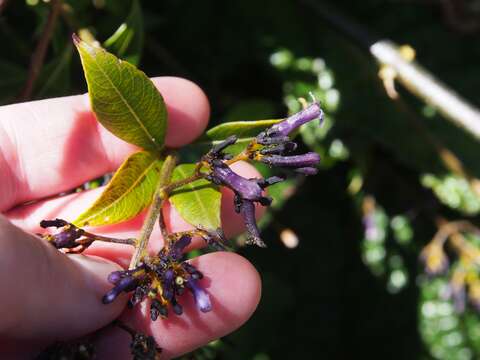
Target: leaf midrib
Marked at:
137, 119
129, 190
202, 205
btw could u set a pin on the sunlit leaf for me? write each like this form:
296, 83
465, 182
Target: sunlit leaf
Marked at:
198, 202
123, 98
127, 41
128, 193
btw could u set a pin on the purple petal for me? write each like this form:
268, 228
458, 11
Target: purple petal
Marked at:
202, 299
115, 277
246, 188
285, 127
179, 246
309, 159
247, 210
126, 284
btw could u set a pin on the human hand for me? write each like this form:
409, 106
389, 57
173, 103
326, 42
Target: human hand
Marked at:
54, 145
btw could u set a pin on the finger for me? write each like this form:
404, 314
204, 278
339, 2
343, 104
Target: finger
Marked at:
234, 288
69, 207
54, 145
48, 296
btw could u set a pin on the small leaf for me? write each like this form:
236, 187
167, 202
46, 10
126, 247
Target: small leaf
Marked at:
128, 193
127, 41
244, 130
123, 98
198, 202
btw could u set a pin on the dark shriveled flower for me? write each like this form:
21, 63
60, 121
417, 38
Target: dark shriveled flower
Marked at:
66, 238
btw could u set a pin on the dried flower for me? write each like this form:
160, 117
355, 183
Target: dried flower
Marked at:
66, 238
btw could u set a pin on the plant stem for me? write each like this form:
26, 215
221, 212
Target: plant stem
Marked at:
38, 57
96, 237
155, 209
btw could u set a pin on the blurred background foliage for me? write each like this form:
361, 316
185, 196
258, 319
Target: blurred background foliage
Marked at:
341, 276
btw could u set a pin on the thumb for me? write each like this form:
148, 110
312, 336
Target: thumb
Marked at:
46, 295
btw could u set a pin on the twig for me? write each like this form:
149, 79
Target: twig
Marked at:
38, 56
154, 211
409, 73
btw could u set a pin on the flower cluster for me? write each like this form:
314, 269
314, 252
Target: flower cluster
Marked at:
278, 146
161, 278
273, 147
165, 277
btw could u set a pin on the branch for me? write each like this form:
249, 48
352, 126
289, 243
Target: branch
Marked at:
38, 56
409, 73
155, 210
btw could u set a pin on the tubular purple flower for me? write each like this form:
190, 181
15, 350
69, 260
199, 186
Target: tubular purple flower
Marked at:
285, 127
202, 299
309, 159
246, 188
178, 247
126, 284
247, 210
115, 276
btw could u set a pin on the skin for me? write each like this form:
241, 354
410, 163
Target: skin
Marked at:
51, 146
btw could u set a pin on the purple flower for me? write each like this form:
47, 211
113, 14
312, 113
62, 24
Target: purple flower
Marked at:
162, 278
66, 238
178, 246
248, 189
284, 128
277, 145
247, 210
307, 160
202, 299
125, 284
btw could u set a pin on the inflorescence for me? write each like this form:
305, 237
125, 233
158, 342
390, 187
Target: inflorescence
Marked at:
166, 276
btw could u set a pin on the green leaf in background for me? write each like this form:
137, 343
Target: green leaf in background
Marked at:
129, 192
127, 41
198, 202
123, 98
244, 130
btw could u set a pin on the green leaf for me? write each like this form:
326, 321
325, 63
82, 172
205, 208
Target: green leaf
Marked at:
127, 41
128, 193
244, 130
198, 202
123, 98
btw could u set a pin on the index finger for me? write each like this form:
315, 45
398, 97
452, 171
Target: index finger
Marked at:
50, 146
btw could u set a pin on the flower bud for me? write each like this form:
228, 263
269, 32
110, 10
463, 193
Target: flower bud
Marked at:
202, 299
